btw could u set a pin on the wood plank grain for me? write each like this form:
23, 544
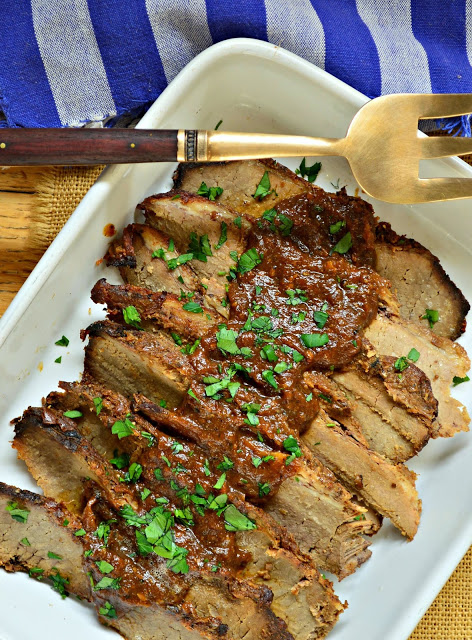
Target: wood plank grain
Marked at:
20, 179
17, 257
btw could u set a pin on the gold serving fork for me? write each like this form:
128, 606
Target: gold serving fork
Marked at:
382, 145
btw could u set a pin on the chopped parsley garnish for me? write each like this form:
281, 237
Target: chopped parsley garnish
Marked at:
280, 367
25, 542
458, 380
402, 363
191, 393
63, 342
103, 531
313, 340
134, 473
432, 316
268, 376
199, 247
237, 222
263, 188
219, 123
131, 316
158, 474
145, 493
80, 532
59, 583
291, 445
54, 556
324, 397
121, 461
236, 521
107, 583
173, 263
285, 223
249, 260
226, 340
295, 296
343, 245
337, 226
104, 566
264, 489
226, 464
310, 173
98, 403
320, 318
209, 192
123, 428
191, 348
298, 317
268, 353
177, 447
251, 409
257, 461
193, 307
108, 611
309, 397
147, 436
58, 360
223, 235
72, 413
17, 513
220, 482
131, 518
36, 572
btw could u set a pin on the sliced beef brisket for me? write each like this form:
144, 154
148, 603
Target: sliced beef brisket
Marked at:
420, 283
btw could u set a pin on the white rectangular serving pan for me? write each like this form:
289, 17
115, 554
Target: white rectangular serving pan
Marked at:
251, 86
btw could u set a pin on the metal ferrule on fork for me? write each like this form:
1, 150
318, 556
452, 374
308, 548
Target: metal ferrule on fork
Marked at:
213, 146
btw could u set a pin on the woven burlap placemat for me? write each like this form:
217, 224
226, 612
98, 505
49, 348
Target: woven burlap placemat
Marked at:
59, 191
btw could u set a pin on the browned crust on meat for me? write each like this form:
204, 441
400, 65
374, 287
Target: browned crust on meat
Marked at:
385, 235
121, 252
185, 167
188, 198
45, 439
412, 390
157, 310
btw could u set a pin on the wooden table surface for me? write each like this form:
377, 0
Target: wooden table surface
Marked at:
17, 256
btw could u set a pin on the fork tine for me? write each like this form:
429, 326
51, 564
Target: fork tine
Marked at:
442, 105
441, 147
434, 189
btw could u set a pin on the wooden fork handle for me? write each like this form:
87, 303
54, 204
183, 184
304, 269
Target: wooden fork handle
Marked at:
86, 146
116, 146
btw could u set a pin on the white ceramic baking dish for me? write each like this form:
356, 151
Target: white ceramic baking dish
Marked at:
251, 86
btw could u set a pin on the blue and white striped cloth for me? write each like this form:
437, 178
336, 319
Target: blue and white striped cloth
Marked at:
69, 62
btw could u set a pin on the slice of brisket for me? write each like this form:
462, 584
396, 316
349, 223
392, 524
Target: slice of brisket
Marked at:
439, 358
420, 282
388, 489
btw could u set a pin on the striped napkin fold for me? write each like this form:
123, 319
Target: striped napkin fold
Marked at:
72, 62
